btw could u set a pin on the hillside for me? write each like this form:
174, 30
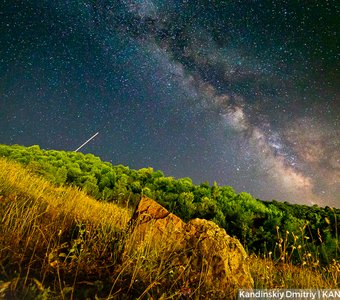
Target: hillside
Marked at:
257, 224
59, 243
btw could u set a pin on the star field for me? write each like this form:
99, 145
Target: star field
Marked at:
238, 92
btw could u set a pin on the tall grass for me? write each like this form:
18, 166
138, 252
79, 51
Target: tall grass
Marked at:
278, 269
54, 233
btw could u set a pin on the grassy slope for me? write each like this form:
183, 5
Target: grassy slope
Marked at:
57, 242
57, 236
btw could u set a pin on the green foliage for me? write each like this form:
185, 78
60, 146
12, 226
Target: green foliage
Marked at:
251, 220
186, 205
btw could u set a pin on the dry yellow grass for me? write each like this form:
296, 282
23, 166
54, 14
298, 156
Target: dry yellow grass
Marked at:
58, 231
15, 180
282, 273
269, 274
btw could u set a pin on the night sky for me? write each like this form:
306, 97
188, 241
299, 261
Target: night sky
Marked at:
244, 93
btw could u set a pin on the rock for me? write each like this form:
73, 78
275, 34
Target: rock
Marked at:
220, 258
152, 219
201, 252
149, 210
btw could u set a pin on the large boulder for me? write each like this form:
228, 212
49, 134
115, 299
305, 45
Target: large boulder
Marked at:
220, 258
200, 250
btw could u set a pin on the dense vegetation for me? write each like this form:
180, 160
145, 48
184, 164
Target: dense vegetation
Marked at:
261, 226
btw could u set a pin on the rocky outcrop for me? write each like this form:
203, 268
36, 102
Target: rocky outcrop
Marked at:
208, 256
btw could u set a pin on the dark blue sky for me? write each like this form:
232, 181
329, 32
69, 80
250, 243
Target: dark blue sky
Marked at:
245, 93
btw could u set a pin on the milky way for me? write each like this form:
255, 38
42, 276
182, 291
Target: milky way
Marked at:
244, 93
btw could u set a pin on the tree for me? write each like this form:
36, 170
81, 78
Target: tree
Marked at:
206, 209
186, 208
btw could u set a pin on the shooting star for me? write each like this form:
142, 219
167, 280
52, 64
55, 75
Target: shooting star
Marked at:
91, 138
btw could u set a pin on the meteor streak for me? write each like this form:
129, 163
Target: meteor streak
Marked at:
91, 138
